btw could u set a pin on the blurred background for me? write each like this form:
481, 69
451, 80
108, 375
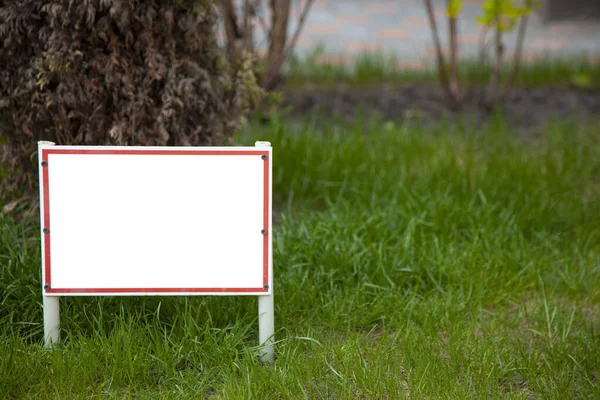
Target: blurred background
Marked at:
436, 194
345, 28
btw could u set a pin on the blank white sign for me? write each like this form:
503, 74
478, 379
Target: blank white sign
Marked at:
155, 221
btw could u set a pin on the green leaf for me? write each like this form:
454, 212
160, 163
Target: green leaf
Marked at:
511, 12
484, 20
489, 6
454, 7
582, 80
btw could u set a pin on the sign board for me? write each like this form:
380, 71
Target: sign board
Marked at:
155, 220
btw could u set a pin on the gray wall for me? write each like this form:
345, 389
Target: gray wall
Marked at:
556, 10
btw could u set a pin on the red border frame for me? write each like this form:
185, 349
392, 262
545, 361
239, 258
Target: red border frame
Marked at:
46, 222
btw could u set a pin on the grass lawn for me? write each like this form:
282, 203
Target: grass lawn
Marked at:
376, 68
410, 262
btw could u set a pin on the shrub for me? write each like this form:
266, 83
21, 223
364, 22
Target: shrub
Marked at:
120, 72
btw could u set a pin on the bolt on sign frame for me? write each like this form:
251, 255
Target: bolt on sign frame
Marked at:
140, 221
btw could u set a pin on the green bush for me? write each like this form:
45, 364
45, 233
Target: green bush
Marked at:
118, 72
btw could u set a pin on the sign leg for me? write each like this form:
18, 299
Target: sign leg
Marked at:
51, 304
266, 328
51, 320
266, 313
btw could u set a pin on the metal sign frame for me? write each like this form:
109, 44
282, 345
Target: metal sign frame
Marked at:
52, 294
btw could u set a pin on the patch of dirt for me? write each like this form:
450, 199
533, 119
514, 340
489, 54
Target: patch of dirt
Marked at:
523, 108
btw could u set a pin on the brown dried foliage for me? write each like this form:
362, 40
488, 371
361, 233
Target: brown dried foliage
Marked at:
120, 72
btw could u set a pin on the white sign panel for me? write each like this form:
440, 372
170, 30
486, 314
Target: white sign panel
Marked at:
156, 220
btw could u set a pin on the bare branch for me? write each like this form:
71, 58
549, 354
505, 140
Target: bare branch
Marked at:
247, 13
232, 30
301, 21
518, 52
248, 32
482, 56
495, 81
482, 46
278, 60
280, 10
452, 102
498, 67
263, 25
453, 78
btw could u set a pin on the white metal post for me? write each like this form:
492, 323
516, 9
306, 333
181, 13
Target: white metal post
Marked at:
51, 320
51, 304
266, 327
266, 312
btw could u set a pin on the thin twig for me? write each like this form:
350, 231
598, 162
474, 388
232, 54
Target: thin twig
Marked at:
296, 34
263, 24
482, 54
246, 15
453, 78
518, 52
248, 39
452, 103
499, 53
232, 30
249, 18
482, 36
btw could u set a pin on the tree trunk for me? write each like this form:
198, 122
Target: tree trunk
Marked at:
280, 10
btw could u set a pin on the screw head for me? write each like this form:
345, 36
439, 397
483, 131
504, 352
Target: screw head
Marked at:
263, 231
46, 286
266, 287
264, 156
44, 163
46, 230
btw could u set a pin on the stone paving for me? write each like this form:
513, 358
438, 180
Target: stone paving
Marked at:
346, 28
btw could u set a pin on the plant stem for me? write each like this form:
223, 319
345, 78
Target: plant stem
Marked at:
495, 80
518, 53
450, 100
453, 79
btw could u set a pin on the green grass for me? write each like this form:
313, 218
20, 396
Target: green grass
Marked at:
437, 262
318, 68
